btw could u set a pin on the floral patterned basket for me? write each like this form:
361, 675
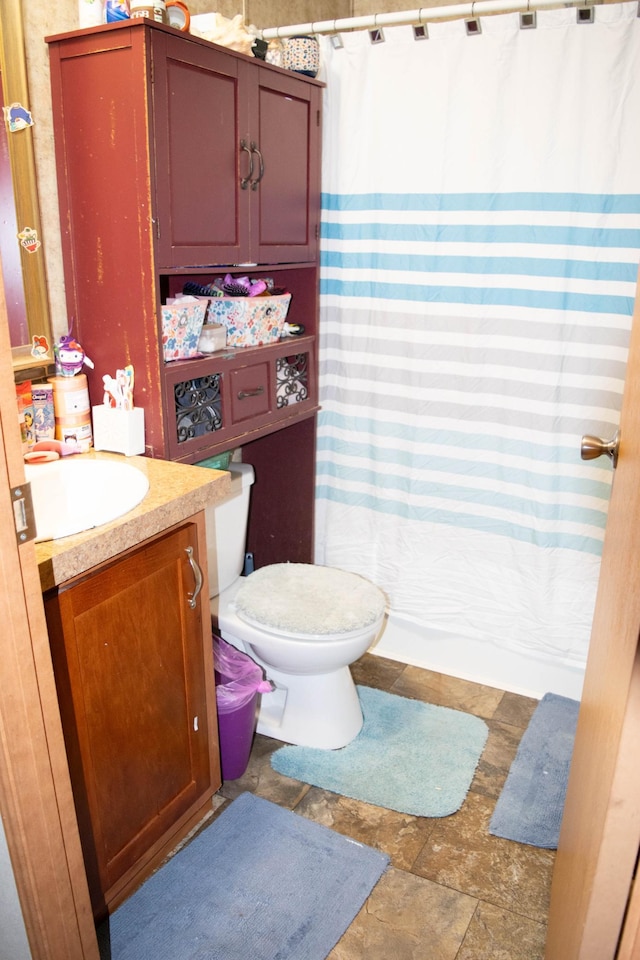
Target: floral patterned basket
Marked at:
181, 329
250, 321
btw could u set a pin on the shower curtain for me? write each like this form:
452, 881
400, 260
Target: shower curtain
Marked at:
480, 246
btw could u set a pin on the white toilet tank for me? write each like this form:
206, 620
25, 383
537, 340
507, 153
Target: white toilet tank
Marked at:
227, 530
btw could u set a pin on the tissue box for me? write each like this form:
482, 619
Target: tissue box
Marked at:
43, 413
250, 321
119, 431
181, 327
25, 415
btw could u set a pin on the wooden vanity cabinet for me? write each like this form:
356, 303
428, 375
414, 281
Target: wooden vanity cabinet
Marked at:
132, 657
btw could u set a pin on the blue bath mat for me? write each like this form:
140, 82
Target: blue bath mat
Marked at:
260, 882
409, 756
530, 806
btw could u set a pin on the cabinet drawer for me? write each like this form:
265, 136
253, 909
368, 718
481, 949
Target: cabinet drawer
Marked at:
250, 392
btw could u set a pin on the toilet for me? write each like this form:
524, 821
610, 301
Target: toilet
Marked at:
303, 623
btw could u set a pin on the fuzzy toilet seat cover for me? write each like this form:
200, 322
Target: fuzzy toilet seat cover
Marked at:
302, 598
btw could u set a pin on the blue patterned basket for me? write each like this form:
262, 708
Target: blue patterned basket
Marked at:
181, 329
250, 321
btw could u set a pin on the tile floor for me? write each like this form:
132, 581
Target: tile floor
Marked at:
453, 891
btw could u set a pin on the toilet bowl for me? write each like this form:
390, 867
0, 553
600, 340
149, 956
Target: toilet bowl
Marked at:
304, 624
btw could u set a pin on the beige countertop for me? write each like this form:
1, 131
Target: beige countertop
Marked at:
176, 491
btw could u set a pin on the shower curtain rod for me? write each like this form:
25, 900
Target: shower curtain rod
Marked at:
419, 16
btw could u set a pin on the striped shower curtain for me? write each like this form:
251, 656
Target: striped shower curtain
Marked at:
480, 246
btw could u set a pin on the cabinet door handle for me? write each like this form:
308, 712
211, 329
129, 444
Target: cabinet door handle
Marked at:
197, 573
245, 394
244, 183
256, 149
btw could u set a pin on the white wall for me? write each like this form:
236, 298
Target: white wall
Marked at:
13, 937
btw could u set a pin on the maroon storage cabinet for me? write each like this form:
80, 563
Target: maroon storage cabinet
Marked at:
180, 160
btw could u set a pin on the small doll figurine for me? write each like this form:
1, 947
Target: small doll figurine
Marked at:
70, 357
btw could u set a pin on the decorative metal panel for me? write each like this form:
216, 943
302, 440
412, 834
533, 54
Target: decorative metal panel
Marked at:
198, 406
292, 379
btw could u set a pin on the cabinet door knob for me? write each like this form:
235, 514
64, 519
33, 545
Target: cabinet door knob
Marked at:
244, 183
256, 149
197, 573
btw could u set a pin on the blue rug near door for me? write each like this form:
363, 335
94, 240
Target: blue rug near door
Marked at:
530, 806
259, 883
409, 756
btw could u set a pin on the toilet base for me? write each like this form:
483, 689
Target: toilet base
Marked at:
321, 711
317, 710
309, 709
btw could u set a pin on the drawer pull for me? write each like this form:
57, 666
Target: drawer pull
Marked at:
197, 573
256, 181
245, 394
244, 183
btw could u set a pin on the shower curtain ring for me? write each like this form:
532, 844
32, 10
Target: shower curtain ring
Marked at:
336, 39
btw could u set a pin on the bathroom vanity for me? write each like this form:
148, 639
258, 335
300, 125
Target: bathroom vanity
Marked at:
130, 640
180, 161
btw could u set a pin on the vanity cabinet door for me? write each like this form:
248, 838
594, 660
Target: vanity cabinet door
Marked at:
131, 671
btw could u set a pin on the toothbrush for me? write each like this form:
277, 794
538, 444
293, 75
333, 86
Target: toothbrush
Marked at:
131, 378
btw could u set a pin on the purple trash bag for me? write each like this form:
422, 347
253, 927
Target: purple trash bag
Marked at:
238, 677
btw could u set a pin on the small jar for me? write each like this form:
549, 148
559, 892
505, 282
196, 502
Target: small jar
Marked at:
302, 54
157, 10
274, 52
90, 13
212, 338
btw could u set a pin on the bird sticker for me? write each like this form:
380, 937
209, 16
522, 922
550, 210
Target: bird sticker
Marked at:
17, 117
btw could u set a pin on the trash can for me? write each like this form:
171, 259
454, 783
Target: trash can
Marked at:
239, 680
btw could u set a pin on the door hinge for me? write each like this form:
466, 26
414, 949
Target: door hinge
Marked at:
317, 118
23, 513
317, 231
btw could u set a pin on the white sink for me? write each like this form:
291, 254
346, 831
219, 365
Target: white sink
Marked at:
71, 495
